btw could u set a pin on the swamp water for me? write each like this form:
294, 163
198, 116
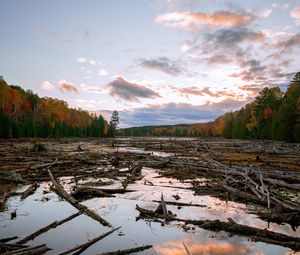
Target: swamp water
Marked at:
44, 207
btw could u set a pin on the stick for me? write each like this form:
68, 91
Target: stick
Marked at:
84, 246
163, 204
45, 229
7, 239
40, 249
82, 208
127, 251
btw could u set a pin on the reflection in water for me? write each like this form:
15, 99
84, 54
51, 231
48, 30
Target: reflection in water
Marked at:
40, 209
207, 247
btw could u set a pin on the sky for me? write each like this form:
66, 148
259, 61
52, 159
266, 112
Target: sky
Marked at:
156, 62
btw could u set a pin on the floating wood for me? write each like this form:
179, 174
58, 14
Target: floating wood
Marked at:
48, 227
127, 251
84, 246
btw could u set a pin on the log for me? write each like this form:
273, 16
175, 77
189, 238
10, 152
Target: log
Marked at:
82, 208
84, 246
256, 234
86, 191
48, 227
40, 249
127, 251
7, 239
29, 191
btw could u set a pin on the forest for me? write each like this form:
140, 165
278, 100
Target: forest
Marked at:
25, 114
272, 115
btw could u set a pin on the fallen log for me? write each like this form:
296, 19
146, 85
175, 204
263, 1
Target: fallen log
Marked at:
180, 203
127, 251
48, 227
7, 239
86, 191
84, 246
82, 208
39, 249
29, 191
253, 233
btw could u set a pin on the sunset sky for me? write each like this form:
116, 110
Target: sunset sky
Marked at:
157, 62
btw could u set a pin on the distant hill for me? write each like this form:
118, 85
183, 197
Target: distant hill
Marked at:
272, 115
25, 114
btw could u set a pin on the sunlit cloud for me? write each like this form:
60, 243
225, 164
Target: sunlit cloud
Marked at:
192, 21
295, 13
129, 91
47, 85
63, 85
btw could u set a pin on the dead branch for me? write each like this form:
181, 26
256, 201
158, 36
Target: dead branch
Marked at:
127, 251
48, 227
84, 246
82, 208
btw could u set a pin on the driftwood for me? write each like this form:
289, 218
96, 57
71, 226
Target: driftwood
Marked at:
256, 234
7, 239
127, 251
82, 208
179, 203
84, 246
6, 247
29, 191
48, 227
40, 249
87, 191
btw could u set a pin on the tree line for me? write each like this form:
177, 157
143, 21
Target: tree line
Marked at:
272, 115
25, 114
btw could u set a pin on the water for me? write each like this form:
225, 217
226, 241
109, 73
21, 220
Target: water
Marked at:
41, 209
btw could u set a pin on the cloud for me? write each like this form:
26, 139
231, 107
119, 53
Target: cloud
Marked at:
129, 91
163, 64
63, 85
92, 62
91, 89
47, 85
231, 37
102, 72
81, 60
295, 13
289, 44
205, 91
86, 60
177, 113
265, 13
192, 21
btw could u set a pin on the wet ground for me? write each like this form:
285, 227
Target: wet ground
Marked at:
44, 207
